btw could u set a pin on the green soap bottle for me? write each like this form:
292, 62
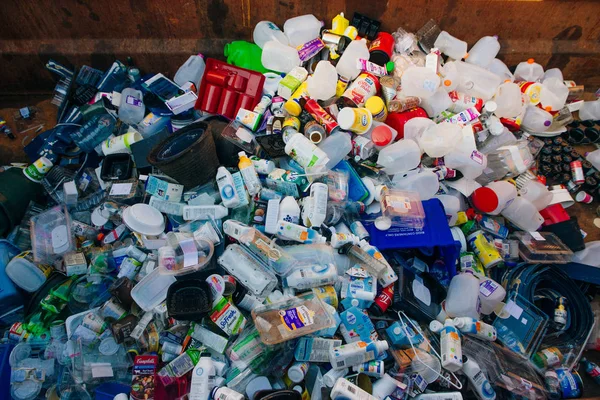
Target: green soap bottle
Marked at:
244, 54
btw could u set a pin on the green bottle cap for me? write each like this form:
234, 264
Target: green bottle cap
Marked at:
389, 66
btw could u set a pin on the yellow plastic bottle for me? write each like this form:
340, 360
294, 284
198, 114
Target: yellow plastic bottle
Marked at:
339, 24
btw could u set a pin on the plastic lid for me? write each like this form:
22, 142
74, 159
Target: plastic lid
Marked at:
381, 135
242, 154
389, 66
345, 118
25, 274
447, 82
108, 347
293, 107
144, 219
484, 199
530, 61
124, 396
295, 374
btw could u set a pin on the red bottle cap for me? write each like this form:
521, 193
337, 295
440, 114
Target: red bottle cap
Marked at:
381, 135
484, 199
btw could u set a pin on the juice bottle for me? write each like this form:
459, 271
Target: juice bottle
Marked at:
249, 174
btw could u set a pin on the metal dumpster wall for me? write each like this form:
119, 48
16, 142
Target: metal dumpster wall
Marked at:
161, 34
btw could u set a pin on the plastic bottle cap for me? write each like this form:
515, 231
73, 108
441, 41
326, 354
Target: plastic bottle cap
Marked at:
447, 82
389, 66
242, 154
484, 199
548, 108
293, 107
381, 135
530, 61
466, 56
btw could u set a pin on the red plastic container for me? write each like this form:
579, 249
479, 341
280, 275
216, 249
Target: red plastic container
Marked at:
225, 89
398, 120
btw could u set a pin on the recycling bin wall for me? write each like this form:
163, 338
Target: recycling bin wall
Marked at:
160, 35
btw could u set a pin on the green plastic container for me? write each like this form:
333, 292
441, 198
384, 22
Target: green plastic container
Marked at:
244, 54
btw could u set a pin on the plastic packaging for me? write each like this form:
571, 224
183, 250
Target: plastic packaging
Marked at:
265, 31
528, 71
191, 71
132, 108
451, 46
420, 82
322, 83
463, 296
301, 29
523, 215
279, 57
484, 51
347, 66
399, 157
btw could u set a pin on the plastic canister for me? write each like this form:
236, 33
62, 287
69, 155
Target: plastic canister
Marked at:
377, 108
528, 71
484, 51
463, 296
494, 198
484, 249
357, 120
363, 87
26, 273
399, 157
491, 294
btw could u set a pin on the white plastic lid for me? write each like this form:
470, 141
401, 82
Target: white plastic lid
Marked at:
144, 219
108, 346
345, 118
295, 374
383, 223
25, 274
121, 396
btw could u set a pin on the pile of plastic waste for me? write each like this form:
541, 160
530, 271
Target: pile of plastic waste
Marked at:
336, 212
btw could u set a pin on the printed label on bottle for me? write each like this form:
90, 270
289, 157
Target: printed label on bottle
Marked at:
133, 101
296, 318
488, 288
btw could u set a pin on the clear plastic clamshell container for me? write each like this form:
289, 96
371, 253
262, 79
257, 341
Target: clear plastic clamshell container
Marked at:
51, 235
542, 248
190, 255
400, 208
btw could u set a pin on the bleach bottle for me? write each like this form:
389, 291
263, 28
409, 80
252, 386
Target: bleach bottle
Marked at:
203, 378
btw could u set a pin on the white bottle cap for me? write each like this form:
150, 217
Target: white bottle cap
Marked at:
435, 326
382, 346
242, 154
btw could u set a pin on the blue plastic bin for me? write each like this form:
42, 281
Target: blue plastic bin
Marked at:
5, 350
435, 233
10, 297
108, 390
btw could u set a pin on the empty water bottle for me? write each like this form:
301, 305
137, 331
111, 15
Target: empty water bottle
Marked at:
435, 104
439, 140
477, 81
424, 182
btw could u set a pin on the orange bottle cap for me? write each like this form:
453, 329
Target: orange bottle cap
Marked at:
530, 61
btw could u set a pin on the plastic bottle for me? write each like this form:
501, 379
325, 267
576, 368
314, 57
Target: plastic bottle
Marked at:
436, 103
301, 29
553, 95
591, 369
204, 212
399, 157
289, 210
470, 163
491, 294
356, 353
537, 193
528, 71
484, 51
346, 390
494, 197
249, 174
463, 296
508, 100
451, 46
499, 68
523, 215
323, 82
536, 119
478, 381
279, 57
590, 110
224, 393
305, 152
203, 378
450, 347
288, 231
477, 81
310, 276
347, 65
476, 328
333, 375
594, 158
420, 82
298, 371
244, 54
426, 183
440, 139
132, 108
314, 214
191, 71
336, 146
440, 396
227, 188
266, 31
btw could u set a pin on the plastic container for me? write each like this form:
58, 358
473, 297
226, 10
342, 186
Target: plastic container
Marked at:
451, 206
491, 294
414, 128
191, 71
494, 198
10, 296
190, 255
470, 163
590, 110
189, 300
537, 193
528, 71
51, 235
426, 183
279, 57
132, 108
436, 103
265, 31
420, 82
594, 158
152, 290
451, 46
144, 219
484, 51
400, 209
508, 98
439, 140
336, 146
289, 319
244, 55
26, 273
323, 82
249, 272
536, 119
463, 296
499, 68
301, 29
381, 134
523, 215
477, 81
542, 248
553, 95
347, 65
399, 157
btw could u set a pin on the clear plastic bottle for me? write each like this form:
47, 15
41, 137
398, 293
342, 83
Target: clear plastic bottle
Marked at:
528, 71
132, 108
463, 296
470, 163
249, 174
484, 51
451, 46
399, 157
266, 31
279, 57
301, 29
347, 66
336, 146
323, 82
191, 71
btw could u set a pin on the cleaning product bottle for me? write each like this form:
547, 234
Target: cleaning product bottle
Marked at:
289, 210
450, 347
249, 174
356, 353
476, 328
227, 188
203, 378
244, 54
478, 380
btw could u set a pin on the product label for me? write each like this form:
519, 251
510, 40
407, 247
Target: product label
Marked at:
142, 384
228, 317
133, 101
310, 49
477, 157
296, 318
488, 288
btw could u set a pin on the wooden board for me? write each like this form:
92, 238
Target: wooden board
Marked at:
160, 35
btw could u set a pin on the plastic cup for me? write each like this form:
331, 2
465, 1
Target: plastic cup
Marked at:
583, 197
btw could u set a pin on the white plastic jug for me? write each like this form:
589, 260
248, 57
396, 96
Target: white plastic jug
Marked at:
536, 119
347, 66
484, 51
336, 146
322, 83
381, 134
451, 46
451, 206
553, 73
523, 215
491, 294
450, 78
438, 102
537, 193
509, 100
132, 108
301, 29
265, 31
419, 81
279, 57
463, 296
191, 71
553, 95
590, 110
477, 81
499, 68
594, 158
414, 128
424, 182
529, 71
494, 198
470, 163
439, 140
399, 157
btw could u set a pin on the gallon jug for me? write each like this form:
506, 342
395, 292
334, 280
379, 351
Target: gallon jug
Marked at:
347, 65
323, 82
594, 158
439, 140
451, 46
399, 157
436, 103
420, 82
523, 215
279, 57
491, 294
301, 29
245, 55
424, 182
414, 128
336, 146
265, 31
536, 119
499, 68
132, 108
451, 206
494, 198
463, 296
590, 110
553, 95
528, 71
484, 51
191, 71
381, 134
450, 78
470, 163
477, 81
537, 193
553, 73
509, 100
